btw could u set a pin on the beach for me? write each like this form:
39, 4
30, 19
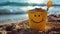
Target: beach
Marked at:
23, 26
14, 16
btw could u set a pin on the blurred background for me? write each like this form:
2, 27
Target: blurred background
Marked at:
16, 10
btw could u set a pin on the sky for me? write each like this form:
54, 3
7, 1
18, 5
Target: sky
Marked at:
32, 1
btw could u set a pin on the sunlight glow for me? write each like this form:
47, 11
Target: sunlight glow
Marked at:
35, 1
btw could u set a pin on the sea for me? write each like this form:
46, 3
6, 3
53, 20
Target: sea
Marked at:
19, 17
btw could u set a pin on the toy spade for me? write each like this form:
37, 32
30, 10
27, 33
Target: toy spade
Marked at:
49, 4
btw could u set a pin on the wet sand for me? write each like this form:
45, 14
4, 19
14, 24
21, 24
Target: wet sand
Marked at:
53, 24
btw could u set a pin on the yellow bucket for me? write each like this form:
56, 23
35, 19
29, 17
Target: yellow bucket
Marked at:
37, 19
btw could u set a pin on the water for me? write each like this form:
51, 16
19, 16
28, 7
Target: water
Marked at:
9, 18
6, 18
12, 17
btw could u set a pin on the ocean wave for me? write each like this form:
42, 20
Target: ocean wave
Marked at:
23, 4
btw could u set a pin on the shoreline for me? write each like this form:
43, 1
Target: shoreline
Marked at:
9, 22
